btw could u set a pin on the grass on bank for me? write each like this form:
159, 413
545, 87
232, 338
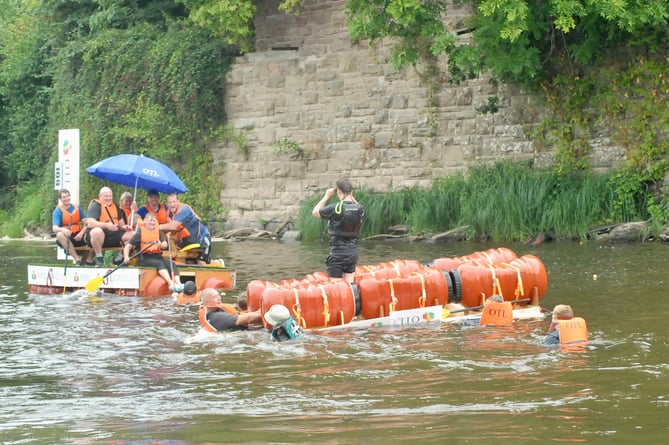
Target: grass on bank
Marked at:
505, 201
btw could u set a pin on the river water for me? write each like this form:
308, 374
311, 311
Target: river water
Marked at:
121, 370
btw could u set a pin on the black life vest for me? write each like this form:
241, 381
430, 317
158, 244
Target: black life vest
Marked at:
346, 221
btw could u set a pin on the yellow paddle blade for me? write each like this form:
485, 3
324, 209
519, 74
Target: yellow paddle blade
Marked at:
445, 313
94, 284
189, 247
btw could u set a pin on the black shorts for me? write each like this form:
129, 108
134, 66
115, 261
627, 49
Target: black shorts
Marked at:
205, 246
339, 263
76, 243
112, 239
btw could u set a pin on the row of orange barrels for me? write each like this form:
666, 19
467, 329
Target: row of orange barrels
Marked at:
319, 301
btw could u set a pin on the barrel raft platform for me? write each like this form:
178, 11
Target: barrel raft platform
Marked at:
49, 279
407, 292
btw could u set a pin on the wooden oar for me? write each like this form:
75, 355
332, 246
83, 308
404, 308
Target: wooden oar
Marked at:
94, 284
445, 312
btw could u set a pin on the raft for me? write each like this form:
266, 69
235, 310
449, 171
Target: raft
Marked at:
51, 279
406, 292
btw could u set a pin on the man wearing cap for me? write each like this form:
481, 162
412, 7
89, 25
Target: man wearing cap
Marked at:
221, 319
154, 206
344, 221
284, 326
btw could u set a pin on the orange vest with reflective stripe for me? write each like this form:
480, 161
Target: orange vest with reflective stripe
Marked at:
202, 313
497, 313
573, 331
71, 220
108, 213
146, 237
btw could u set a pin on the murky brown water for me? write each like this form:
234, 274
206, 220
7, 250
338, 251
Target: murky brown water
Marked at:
120, 371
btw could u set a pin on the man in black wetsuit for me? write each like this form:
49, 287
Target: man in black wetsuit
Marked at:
344, 221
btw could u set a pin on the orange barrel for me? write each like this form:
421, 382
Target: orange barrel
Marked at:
480, 281
317, 277
391, 269
494, 256
533, 274
254, 293
156, 287
422, 288
315, 305
490, 256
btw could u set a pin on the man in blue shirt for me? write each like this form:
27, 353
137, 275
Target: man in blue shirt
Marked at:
190, 229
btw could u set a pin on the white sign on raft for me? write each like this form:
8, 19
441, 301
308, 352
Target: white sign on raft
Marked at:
124, 278
403, 318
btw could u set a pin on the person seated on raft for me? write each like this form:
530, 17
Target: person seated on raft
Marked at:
220, 317
106, 224
154, 206
496, 312
129, 207
150, 238
284, 326
565, 328
67, 224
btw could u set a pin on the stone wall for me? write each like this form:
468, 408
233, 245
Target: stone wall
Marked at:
345, 112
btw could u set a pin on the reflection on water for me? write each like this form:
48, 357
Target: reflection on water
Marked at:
120, 370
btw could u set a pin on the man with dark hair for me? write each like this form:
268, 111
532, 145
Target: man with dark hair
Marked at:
183, 219
344, 221
67, 224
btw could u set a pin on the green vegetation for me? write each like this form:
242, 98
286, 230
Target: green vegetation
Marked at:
148, 77
505, 202
133, 79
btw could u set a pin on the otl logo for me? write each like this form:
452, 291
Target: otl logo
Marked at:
149, 172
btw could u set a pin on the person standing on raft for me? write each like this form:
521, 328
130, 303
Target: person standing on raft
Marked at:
344, 222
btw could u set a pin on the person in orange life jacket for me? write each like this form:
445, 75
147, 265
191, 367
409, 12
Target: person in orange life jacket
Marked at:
129, 207
220, 319
149, 236
191, 230
67, 224
284, 326
496, 312
344, 221
565, 328
154, 206
106, 224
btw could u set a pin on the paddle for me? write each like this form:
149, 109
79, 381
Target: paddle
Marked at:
67, 250
445, 312
169, 248
96, 282
189, 247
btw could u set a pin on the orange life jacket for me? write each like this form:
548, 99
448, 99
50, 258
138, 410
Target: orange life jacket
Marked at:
182, 298
202, 313
71, 220
183, 232
497, 313
108, 213
573, 331
162, 215
146, 237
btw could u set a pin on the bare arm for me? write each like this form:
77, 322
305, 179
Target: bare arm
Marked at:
328, 194
246, 318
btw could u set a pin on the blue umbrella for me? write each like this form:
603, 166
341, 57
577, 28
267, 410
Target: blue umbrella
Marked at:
138, 171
